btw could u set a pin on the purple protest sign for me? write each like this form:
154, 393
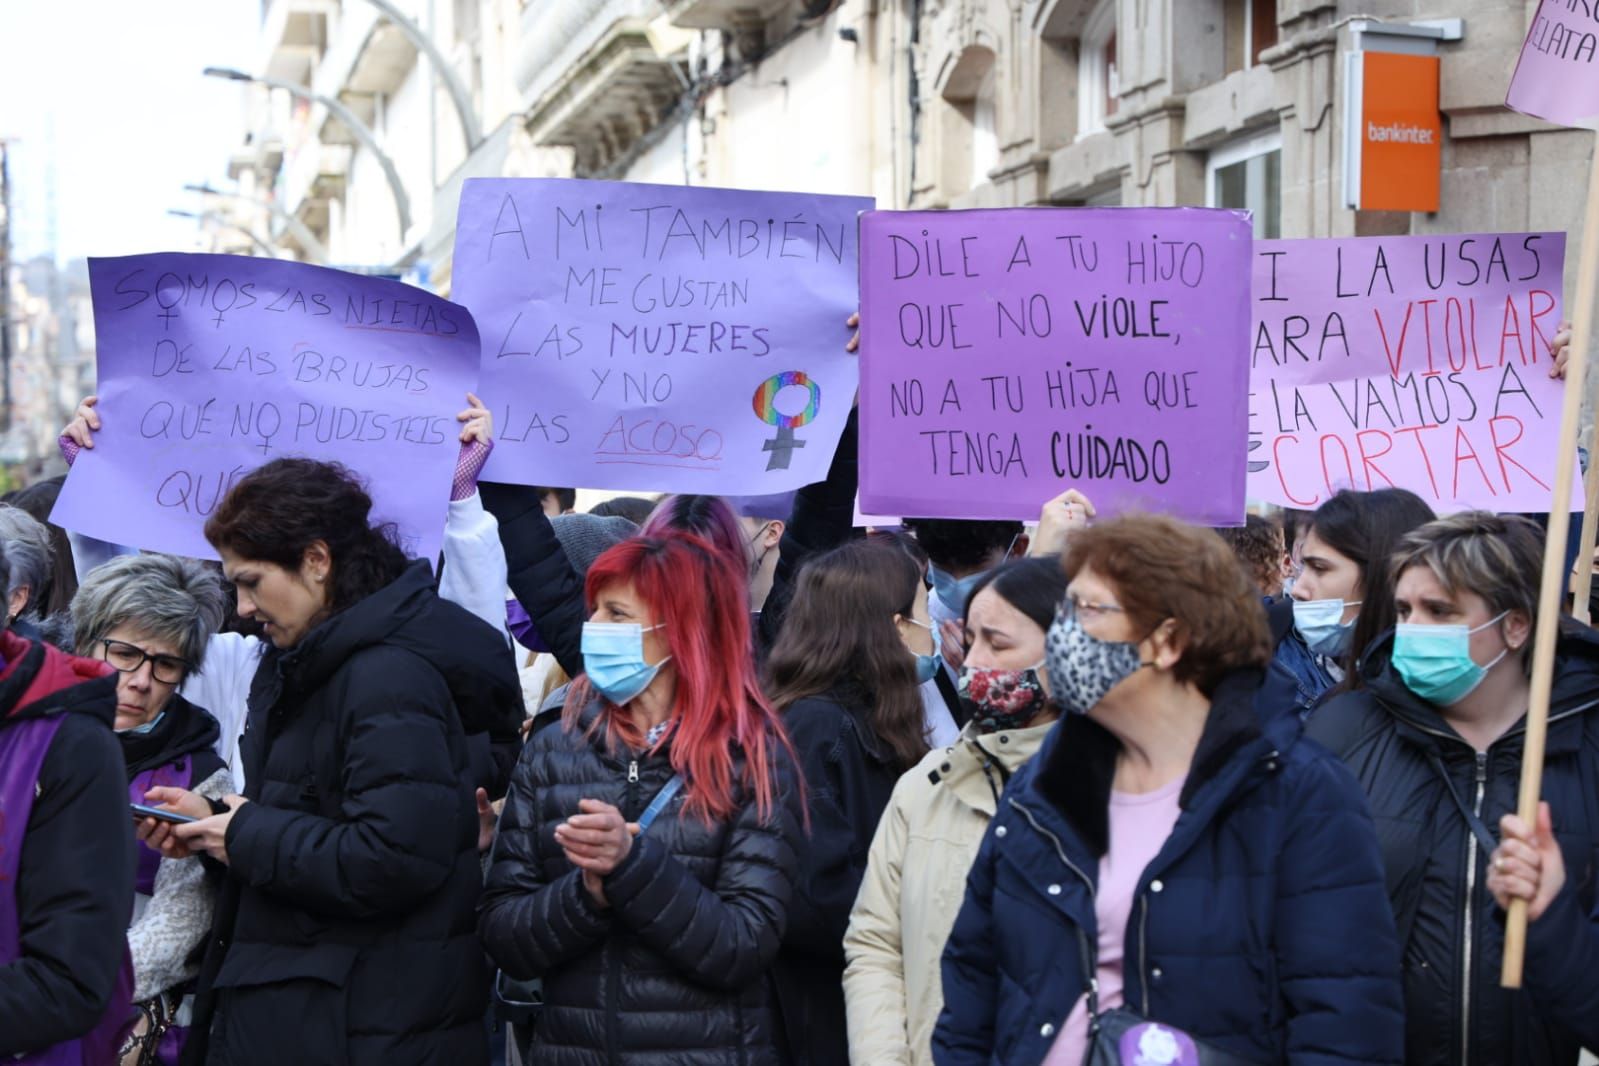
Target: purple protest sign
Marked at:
1418, 362
1556, 78
210, 365
660, 337
1010, 355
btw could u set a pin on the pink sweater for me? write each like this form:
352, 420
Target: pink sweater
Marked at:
1139, 827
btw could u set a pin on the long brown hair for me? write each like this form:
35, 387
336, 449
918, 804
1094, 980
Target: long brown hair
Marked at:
840, 631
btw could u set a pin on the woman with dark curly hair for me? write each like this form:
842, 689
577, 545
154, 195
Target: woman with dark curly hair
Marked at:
346, 928
473, 576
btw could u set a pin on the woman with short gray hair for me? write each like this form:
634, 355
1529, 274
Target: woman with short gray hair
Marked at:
151, 617
26, 544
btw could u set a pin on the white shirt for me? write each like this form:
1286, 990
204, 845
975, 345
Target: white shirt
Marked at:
941, 728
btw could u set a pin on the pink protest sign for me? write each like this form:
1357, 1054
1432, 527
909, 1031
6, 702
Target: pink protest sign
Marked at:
1556, 78
1418, 362
680, 339
210, 365
1008, 355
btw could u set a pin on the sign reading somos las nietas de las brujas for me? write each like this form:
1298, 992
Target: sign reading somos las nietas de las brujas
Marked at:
210, 365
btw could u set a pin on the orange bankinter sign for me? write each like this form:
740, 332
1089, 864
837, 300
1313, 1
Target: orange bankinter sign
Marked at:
1401, 132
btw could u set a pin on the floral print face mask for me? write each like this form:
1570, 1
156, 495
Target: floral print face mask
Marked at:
1002, 699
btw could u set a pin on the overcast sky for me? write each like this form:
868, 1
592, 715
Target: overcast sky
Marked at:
113, 117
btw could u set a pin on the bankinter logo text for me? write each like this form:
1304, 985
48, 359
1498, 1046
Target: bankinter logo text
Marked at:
1400, 133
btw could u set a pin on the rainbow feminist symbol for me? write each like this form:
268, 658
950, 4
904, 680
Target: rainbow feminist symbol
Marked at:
783, 444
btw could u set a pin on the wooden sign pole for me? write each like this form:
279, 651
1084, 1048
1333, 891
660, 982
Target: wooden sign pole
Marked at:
1552, 592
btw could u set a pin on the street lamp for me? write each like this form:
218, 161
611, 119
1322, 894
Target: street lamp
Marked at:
361, 130
452, 81
302, 233
216, 216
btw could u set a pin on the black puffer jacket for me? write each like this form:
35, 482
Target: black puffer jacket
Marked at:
849, 777
346, 930
676, 970
1407, 759
822, 518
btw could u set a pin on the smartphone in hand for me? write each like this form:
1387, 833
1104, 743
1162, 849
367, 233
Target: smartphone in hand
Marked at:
140, 811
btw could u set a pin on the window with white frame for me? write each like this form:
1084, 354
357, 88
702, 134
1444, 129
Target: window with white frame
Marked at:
969, 140
1097, 87
1247, 174
985, 129
1251, 28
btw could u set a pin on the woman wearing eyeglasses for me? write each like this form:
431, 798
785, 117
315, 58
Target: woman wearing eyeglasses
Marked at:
150, 617
1174, 871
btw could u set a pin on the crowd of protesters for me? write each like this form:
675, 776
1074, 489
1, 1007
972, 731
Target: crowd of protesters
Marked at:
716, 781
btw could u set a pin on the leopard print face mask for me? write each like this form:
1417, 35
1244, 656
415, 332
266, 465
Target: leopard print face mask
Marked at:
1082, 668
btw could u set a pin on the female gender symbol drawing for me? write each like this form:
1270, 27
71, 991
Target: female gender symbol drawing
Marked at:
782, 446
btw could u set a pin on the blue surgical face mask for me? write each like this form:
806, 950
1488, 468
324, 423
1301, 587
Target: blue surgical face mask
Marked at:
1320, 624
613, 659
1435, 661
956, 592
927, 665
141, 730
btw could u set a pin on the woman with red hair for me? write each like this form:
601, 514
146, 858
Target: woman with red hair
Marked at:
647, 852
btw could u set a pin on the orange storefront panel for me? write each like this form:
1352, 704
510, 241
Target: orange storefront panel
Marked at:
1401, 137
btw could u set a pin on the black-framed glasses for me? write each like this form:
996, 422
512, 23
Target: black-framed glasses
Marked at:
128, 658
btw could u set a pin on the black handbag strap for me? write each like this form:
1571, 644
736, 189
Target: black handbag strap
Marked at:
1474, 823
1091, 977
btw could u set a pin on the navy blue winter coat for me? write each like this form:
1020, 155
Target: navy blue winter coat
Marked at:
1295, 670
1262, 928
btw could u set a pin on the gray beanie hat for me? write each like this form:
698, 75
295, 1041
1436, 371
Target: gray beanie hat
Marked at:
585, 537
